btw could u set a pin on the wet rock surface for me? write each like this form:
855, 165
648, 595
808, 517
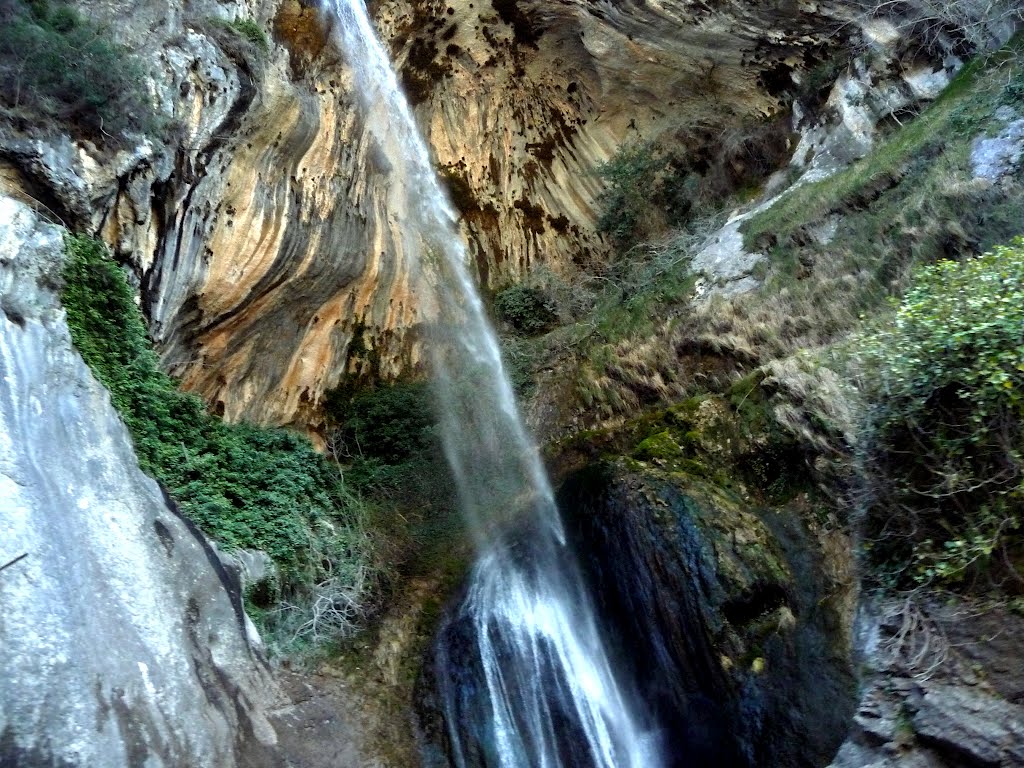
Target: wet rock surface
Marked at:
721, 612
727, 618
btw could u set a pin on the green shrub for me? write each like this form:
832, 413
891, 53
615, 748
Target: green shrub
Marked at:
387, 439
57, 64
526, 309
245, 486
630, 175
392, 423
688, 174
243, 39
944, 436
252, 32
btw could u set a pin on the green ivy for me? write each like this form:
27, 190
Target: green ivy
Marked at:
245, 486
945, 426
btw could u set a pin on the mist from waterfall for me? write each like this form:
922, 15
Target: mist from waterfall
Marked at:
550, 696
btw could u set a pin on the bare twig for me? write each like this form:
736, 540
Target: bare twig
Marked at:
8, 564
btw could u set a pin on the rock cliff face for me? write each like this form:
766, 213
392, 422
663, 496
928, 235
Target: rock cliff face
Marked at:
268, 206
267, 209
943, 687
523, 100
122, 639
723, 613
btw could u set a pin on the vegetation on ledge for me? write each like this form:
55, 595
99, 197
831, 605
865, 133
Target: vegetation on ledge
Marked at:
934, 439
942, 459
246, 487
57, 64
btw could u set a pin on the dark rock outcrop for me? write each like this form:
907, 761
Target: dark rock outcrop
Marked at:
720, 613
944, 688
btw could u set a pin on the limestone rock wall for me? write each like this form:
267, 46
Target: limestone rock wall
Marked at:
260, 231
524, 99
260, 225
122, 640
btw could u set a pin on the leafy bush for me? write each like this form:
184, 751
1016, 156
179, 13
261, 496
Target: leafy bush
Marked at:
631, 175
391, 423
387, 438
526, 309
688, 174
245, 486
944, 447
58, 64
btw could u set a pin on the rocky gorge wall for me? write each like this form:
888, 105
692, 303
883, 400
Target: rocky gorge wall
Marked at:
523, 101
263, 208
267, 260
264, 204
122, 637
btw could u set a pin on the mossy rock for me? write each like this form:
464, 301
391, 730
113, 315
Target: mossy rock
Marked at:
731, 440
659, 447
703, 593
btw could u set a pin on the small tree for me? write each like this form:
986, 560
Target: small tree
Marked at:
625, 203
943, 455
525, 308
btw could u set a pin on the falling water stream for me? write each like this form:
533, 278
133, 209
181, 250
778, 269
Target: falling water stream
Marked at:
551, 697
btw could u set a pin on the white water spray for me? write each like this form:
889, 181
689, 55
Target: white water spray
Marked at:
551, 698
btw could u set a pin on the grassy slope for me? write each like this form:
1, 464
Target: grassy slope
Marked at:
913, 201
910, 202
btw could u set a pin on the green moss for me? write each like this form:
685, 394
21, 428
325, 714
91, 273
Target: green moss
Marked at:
729, 440
746, 554
660, 447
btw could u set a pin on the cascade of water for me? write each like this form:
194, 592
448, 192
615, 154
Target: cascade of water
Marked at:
552, 699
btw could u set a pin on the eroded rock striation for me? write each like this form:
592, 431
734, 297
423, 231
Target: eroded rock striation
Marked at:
523, 101
265, 205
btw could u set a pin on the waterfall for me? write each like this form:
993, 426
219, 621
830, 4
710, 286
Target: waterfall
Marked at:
550, 696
